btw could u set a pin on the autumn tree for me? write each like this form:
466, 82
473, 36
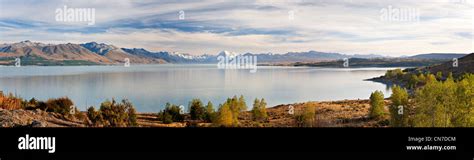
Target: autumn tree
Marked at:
463, 114
210, 112
377, 105
259, 110
446, 104
399, 107
225, 116
236, 105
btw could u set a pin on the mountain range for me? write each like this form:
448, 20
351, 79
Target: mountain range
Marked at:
35, 53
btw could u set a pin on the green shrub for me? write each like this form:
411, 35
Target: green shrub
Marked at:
113, 114
132, 117
94, 116
166, 118
197, 110
259, 110
171, 113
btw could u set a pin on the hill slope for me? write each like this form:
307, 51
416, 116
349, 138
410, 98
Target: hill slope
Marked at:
465, 65
438, 56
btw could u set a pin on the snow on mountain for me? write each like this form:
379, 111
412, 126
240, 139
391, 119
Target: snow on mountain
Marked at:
100, 49
227, 54
106, 53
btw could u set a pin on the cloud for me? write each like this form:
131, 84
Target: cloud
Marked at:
249, 26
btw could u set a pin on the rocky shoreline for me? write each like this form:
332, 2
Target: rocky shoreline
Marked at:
35, 118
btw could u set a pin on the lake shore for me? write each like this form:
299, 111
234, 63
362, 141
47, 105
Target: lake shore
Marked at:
343, 113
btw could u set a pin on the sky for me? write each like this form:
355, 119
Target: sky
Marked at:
256, 26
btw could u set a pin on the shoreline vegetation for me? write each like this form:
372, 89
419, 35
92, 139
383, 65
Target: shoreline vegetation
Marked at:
15, 112
434, 96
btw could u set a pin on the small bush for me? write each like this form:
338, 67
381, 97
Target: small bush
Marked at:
10, 102
166, 118
171, 113
132, 117
113, 114
59, 105
196, 110
94, 116
307, 118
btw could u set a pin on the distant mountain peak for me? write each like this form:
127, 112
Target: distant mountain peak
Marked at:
27, 43
107, 53
99, 48
92, 43
227, 53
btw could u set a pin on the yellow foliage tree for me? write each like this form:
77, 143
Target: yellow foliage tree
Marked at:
225, 116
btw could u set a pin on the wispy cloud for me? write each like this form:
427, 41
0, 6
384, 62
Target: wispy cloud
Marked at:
278, 26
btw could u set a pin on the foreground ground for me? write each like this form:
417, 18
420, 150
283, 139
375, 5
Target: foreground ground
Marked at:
345, 113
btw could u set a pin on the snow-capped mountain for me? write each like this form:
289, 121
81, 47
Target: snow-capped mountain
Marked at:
174, 57
227, 54
100, 49
102, 53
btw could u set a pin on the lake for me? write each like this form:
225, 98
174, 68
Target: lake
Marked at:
149, 87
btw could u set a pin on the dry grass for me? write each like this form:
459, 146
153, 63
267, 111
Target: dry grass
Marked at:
345, 113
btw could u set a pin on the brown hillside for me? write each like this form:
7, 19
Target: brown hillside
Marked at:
61, 52
465, 65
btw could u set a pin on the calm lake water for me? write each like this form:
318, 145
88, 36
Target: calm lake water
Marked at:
149, 87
